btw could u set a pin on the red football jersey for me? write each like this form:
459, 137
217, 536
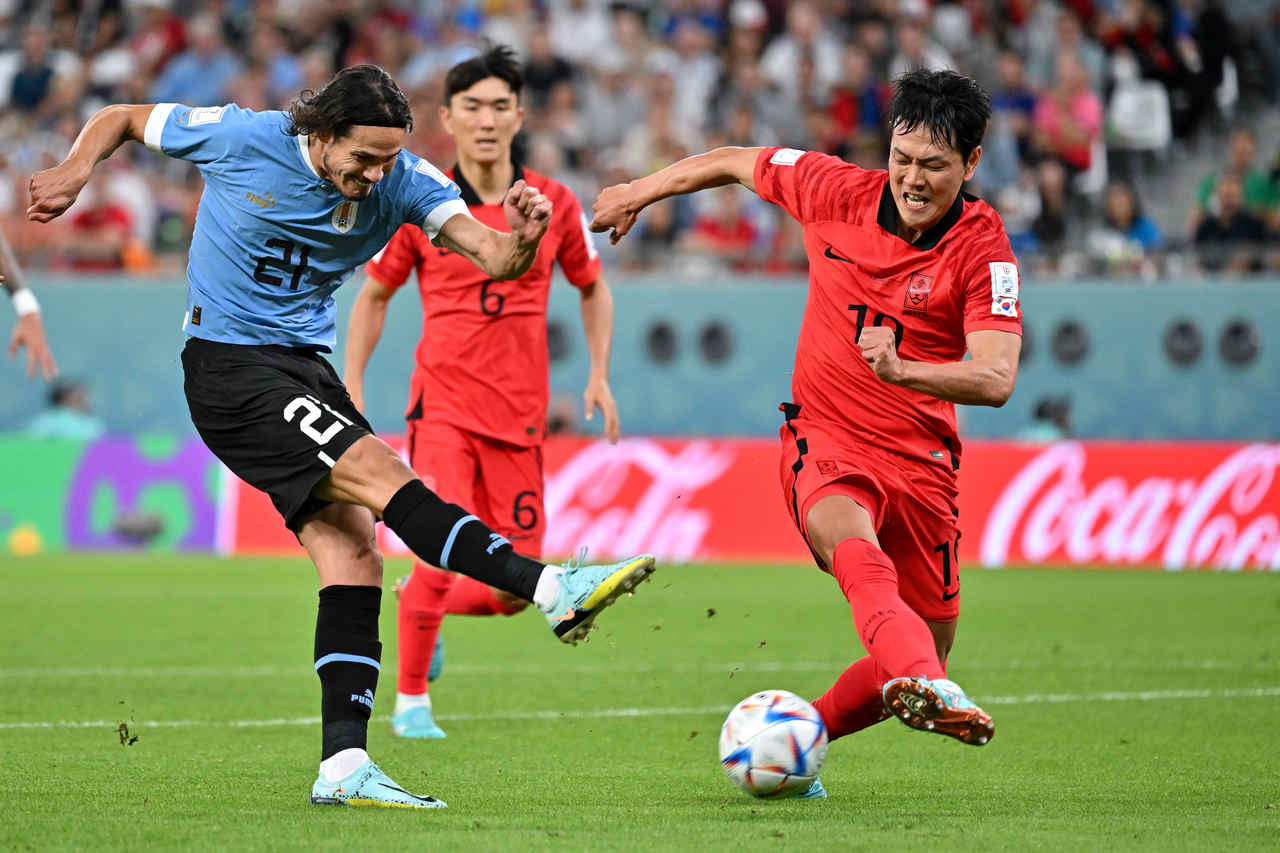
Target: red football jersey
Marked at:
482, 361
960, 276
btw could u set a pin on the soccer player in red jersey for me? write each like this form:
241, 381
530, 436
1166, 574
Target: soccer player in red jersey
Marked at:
478, 396
906, 274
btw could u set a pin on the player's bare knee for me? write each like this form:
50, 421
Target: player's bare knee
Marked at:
833, 519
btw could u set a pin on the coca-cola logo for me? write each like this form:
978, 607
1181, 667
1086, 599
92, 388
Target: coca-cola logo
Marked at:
1227, 519
632, 498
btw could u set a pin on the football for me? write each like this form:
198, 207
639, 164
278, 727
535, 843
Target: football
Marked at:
773, 744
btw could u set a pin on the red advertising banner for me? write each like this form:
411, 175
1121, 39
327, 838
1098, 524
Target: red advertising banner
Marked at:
1170, 505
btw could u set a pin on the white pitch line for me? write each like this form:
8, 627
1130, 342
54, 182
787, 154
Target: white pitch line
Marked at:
1028, 699
275, 670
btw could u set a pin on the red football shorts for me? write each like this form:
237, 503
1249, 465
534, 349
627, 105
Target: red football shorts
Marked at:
500, 483
912, 504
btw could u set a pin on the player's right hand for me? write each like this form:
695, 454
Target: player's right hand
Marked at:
54, 190
613, 212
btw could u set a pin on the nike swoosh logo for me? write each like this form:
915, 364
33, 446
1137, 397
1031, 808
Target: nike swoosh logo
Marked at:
830, 253
403, 791
949, 596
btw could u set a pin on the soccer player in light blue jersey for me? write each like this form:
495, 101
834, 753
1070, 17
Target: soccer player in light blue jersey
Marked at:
293, 203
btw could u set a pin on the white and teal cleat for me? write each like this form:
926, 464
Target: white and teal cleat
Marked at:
369, 786
816, 791
416, 722
586, 590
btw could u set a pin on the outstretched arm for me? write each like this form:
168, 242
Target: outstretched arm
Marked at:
597, 323
364, 329
617, 207
501, 256
54, 190
29, 330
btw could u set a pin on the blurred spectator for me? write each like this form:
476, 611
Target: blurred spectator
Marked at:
1068, 118
282, 70
1261, 193
858, 99
30, 76
69, 415
1126, 239
612, 103
725, 232
1013, 103
543, 70
659, 140
158, 36
917, 50
201, 75
805, 39
99, 232
1050, 225
696, 68
1050, 421
1231, 239
580, 30
1069, 39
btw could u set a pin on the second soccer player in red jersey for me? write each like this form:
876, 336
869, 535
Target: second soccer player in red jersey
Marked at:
478, 396
906, 273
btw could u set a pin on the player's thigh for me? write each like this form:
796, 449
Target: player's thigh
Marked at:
831, 491
342, 542
278, 418
510, 493
445, 458
919, 535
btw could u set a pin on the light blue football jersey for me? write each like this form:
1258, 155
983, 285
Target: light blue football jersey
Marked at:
273, 240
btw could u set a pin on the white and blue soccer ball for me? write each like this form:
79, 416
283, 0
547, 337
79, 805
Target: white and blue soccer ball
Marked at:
773, 744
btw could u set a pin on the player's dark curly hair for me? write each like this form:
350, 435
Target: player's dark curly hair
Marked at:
953, 107
497, 61
359, 95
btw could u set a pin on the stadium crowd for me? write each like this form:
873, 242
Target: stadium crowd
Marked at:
1107, 112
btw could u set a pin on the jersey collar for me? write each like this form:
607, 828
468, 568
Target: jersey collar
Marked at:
469, 195
304, 148
888, 218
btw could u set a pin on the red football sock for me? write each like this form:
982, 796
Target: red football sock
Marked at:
854, 702
418, 622
892, 632
470, 597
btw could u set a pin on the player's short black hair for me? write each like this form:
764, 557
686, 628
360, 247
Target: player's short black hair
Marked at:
359, 95
498, 60
954, 108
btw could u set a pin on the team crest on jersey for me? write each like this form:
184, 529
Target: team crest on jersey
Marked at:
344, 216
917, 299
827, 468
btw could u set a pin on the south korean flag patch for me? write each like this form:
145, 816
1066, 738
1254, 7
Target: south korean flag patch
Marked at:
1004, 289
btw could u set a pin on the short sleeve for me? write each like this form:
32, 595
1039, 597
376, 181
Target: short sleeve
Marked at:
809, 185
393, 264
577, 256
992, 289
200, 135
432, 199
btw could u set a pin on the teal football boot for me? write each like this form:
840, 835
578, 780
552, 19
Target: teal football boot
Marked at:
369, 786
586, 590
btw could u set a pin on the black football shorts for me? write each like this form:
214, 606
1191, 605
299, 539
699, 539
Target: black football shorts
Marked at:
277, 416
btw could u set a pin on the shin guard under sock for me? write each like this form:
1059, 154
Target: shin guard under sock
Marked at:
892, 632
447, 536
348, 657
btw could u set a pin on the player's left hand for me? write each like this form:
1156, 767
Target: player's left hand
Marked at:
614, 211
29, 333
528, 212
598, 396
880, 350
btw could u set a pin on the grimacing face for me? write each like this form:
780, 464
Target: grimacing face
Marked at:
925, 178
361, 158
482, 120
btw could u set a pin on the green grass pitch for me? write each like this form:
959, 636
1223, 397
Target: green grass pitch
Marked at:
1134, 710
